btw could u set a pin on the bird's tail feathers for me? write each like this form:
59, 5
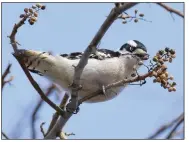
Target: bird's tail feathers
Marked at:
36, 61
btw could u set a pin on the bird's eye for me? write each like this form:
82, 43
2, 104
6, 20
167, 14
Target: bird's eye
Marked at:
131, 48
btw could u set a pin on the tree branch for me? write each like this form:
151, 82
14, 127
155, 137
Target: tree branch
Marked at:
82, 63
116, 84
6, 72
4, 135
178, 133
42, 129
171, 10
21, 62
166, 126
56, 115
115, 12
171, 134
38, 106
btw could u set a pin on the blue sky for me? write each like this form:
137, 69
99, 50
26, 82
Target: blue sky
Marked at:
63, 28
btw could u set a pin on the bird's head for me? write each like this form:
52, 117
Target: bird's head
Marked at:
135, 47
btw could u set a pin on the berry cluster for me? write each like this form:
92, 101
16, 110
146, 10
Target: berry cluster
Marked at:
32, 13
124, 16
160, 69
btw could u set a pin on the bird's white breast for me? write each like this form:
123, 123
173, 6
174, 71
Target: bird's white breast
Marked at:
95, 74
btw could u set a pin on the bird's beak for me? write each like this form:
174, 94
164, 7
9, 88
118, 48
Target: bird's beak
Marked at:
142, 54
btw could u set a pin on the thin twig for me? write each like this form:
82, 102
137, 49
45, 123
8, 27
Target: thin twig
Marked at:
69, 134
41, 128
178, 133
21, 62
4, 135
115, 12
56, 115
171, 134
6, 72
36, 109
116, 84
62, 136
171, 10
166, 126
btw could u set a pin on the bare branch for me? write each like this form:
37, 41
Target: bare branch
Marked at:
38, 106
62, 136
21, 62
56, 115
171, 134
82, 63
41, 128
116, 84
69, 134
57, 122
6, 72
178, 133
115, 12
166, 126
4, 135
171, 10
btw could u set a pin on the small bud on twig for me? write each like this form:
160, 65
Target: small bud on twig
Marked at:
38, 5
167, 49
172, 51
136, 11
34, 19
141, 15
136, 20
22, 15
35, 14
34, 7
31, 10
155, 59
124, 21
43, 7
26, 10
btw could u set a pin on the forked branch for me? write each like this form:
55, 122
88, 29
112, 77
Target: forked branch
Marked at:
115, 12
171, 10
14, 44
6, 72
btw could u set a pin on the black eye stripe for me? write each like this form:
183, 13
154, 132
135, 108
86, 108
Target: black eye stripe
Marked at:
131, 48
128, 47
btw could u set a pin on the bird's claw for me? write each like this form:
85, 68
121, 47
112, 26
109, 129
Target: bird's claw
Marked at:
71, 109
72, 86
104, 91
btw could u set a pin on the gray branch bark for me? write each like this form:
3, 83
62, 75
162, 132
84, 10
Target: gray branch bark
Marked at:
82, 63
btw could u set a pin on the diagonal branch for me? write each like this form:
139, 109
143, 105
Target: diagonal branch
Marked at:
178, 133
82, 63
171, 134
56, 115
171, 10
42, 129
6, 72
21, 62
39, 104
4, 135
116, 84
166, 126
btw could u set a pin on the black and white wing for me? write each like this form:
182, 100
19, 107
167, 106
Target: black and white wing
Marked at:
100, 54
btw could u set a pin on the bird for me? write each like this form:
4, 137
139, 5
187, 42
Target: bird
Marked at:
104, 67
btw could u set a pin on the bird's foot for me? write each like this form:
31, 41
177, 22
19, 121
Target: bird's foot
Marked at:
72, 86
72, 107
104, 91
